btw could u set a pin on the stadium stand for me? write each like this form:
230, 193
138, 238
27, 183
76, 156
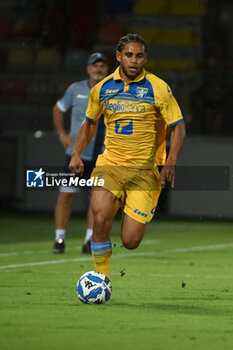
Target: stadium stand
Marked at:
3, 58
25, 28
112, 7
48, 59
52, 24
8, 4
50, 39
170, 36
172, 7
21, 58
40, 91
5, 28
110, 32
80, 24
174, 29
76, 59
12, 91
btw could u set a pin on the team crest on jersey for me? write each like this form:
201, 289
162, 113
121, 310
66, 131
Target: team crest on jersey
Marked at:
141, 92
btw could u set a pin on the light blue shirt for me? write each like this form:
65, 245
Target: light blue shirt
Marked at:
76, 98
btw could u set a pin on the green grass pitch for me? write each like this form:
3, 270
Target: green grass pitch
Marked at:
174, 292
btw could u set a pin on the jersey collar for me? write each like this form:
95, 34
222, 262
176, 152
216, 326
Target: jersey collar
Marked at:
141, 76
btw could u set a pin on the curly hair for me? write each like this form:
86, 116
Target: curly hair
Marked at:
135, 38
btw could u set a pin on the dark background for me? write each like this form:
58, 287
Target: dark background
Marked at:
44, 46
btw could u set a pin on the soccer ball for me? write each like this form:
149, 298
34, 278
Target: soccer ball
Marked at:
94, 288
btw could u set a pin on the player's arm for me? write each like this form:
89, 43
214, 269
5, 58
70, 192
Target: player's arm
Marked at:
176, 142
58, 121
86, 132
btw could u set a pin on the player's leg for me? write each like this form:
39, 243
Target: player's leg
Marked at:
132, 232
86, 249
90, 217
139, 207
87, 241
104, 206
62, 216
63, 210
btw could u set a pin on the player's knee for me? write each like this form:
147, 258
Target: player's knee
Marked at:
102, 227
101, 221
131, 242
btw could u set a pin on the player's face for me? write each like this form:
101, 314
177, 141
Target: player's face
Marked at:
132, 59
97, 71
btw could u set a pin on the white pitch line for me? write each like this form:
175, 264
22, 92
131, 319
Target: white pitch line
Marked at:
31, 252
47, 251
49, 262
126, 255
201, 248
150, 241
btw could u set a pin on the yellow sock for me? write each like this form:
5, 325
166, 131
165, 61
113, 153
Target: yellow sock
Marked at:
102, 264
102, 253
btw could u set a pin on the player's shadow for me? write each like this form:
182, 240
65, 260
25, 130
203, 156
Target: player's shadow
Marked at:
174, 309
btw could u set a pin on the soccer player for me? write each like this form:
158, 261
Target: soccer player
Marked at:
76, 99
137, 107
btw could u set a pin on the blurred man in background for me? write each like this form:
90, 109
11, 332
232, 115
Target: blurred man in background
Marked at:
76, 99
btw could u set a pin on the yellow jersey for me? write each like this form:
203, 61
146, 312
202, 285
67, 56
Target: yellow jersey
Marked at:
136, 115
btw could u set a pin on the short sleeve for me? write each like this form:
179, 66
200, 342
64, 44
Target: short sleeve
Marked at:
169, 107
95, 107
66, 101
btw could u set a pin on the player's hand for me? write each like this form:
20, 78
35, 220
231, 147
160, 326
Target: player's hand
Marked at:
66, 141
167, 175
76, 165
